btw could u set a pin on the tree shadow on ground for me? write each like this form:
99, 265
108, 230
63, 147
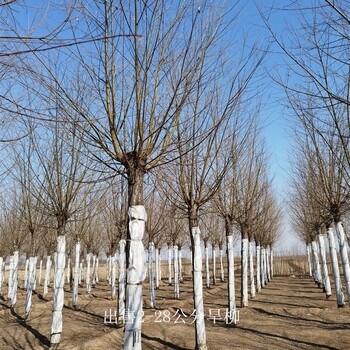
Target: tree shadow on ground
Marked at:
163, 342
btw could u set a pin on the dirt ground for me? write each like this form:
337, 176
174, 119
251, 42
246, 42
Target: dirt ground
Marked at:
289, 313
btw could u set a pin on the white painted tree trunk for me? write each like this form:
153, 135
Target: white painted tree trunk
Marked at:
198, 290
268, 267
93, 282
262, 267
76, 275
244, 272
134, 278
58, 295
113, 276
160, 266
30, 285
343, 250
265, 266
157, 266
25, 279
258, 268
81, 273
68, 270
35, 263
1, 273
150, 275
108, 270
14, 279
176, 272
271, 263
251, 269
169, 264
10, 279
97, 277
325, 276
222, 274
335, 267
214, 265
207, 276
316, 263
88, 273
309, 265
47, 274
181, 277
231, 277
121, 281
54, 267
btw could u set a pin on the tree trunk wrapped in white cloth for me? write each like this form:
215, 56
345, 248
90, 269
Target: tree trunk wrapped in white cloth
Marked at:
135, 276
121, 281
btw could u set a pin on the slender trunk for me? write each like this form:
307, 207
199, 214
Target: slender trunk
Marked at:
251, 268
325, 276
76, 275
68, 270
97, 270
35, 263
47, 274
108, 270
271, 263
244, 272
231, 279
268, 266
58, 297
135, 276
150, 275
113, 276
181, 278
81, 273
258, 268
40, 272
198, 289
169, 264
317, 270
87, 281
222, 275
30, 285
207, 275
214, 265
54, 268
25, 279
121, 281
309, 265
10, 279
343, 249
14, 279
262, 267
176, 272
335, 267
157, 266
160, 267
93, 271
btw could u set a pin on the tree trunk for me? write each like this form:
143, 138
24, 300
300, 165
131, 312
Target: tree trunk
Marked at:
343, 249
251, 268
134, 278
88, 274
1, 274
169, 264
14, 279
58, 297
231, 279
214, 265
198, 289
244, 272
157, 266
316, 264
262, 267
207, 275
176, 272
93, 271
309, 265
271, 263
97, 270
47, 274
76, 275
40, 272
30, 285
325, 276
25, 279
68, 270
258, 268
180, 266
10, 279
113, 276
335, 267
81, 273
121, 281
268, 267
150, 275
222, 274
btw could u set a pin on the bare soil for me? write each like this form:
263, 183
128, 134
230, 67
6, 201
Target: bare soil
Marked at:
289, 313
